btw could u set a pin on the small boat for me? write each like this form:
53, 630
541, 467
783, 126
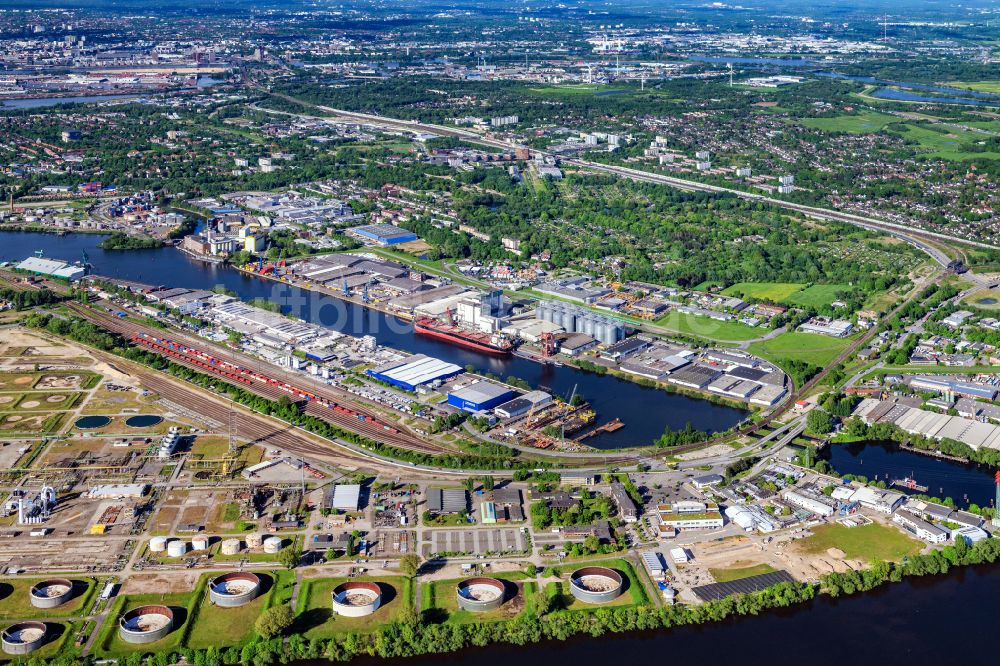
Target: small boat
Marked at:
909, 483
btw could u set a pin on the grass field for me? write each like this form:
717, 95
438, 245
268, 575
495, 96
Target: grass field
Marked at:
315, 616
987, 299
635, 594
775, 292
981, 86
738, 573
818, 295
711, 329
947, 146
109, 644
794, 345
439, 603
15, 604
582, 89
859, 123
866, 542
214, 625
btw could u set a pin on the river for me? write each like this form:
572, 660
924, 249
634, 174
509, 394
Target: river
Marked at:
645, 411
933, 620
964, 482
41, 102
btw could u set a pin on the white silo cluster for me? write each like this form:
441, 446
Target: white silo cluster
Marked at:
172, 547
575, 319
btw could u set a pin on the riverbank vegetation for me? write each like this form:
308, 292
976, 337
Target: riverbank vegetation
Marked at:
408, 633
122, 241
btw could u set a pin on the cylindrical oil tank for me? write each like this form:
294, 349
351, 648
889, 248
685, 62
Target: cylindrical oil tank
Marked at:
479, 595
596, 585
200, 542
157, 544
356, 598
234, 589
146, 624
24, 637
51, 593
272, 544
177, 548
230, 547
254, 540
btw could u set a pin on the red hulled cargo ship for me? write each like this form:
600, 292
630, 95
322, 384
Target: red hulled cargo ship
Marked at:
497, 343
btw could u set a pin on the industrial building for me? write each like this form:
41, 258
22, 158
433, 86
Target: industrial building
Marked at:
414, 371
479, 395
945, 385
118, 491
521, 405
654, 562
688, 515
920, 528
383, 234
837, 328
51, 268
576, 319
811, 502
751, 518
346, 497
447, 500
916, 421
694, 376
883, 501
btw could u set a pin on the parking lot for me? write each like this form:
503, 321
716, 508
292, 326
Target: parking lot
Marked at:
476, 542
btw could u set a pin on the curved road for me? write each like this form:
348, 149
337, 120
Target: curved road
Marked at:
908, 234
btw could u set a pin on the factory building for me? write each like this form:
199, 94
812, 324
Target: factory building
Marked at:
479, 395
920, 528
883, 501
688, 515
575, 319
809, 502
346, 497
960, 388
654, 562
118, 491
523, 404
913, 420
383, 234
447, 500
414, 371
51, 268
751, 518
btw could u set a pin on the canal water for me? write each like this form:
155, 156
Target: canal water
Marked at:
646, 412
965, 483
932, 620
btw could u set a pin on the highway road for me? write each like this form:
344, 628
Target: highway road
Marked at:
917, 238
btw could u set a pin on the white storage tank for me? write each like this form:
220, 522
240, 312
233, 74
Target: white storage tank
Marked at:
272, 544
200, 542
157, 544
177, 548
255, 540
230, 547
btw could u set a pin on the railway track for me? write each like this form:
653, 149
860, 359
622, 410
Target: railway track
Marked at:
320, 401
916, 237
329, 405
